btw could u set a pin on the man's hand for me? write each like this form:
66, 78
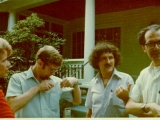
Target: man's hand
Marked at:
154, 108
45, 85
69, 82
72, 82
123, 93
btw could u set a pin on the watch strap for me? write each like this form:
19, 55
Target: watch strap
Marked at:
143, 107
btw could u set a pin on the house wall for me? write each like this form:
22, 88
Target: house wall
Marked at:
131, 22
71, 27
3, 21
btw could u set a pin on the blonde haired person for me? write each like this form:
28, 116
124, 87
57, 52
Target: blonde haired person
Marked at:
5, 52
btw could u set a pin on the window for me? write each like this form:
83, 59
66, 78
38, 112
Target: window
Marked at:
45, 27
57, 28
21, 17
78, 45
109, 34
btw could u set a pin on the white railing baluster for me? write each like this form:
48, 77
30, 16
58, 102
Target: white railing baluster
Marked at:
71, 67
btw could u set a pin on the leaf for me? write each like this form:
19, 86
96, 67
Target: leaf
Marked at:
25, 41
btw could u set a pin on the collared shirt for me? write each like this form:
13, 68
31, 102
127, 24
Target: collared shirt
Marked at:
103, 101
147, 86
43, 104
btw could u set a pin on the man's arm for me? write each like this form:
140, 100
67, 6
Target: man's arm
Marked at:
89, 113
150, 109
153, 109
73, 82
18, 102
76, 94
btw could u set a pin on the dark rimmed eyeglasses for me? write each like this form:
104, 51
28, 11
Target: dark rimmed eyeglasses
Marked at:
153, 44
52, 70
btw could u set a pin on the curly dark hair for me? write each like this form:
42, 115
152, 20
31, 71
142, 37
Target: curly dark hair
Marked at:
142, 33
103, 47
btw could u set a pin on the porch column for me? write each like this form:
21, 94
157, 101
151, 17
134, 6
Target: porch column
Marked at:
11, 20
89, 38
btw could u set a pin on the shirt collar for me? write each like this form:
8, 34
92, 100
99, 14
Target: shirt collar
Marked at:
30, 73
115, 73
151, 68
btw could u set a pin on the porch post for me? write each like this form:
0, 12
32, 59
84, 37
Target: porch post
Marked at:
11, 20
89, 38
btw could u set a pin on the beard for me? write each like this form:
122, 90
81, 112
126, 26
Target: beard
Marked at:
44, 77
155, 55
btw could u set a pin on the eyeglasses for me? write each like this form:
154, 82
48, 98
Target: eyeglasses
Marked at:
152, 44
52, 70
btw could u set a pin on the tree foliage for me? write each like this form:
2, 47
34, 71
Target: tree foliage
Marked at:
26, 41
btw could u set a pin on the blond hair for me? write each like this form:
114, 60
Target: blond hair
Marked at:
48, 54
4, 45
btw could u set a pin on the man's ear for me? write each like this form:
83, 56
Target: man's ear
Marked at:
40, 62
144, 48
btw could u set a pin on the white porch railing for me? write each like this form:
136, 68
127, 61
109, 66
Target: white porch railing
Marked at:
72, 67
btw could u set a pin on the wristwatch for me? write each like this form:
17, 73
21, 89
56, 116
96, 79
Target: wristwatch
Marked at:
143, 107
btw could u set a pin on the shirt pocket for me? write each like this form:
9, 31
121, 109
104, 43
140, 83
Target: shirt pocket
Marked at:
54, 101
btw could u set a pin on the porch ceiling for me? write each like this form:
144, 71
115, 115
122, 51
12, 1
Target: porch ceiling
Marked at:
73, 9
20, 5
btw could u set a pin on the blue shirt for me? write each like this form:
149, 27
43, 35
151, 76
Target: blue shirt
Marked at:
102, 100
43, 104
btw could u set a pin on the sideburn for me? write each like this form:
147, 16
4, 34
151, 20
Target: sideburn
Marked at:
43, 67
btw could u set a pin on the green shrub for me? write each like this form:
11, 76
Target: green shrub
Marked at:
25, 42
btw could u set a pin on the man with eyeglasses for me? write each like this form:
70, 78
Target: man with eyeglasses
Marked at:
36, 93
145, 97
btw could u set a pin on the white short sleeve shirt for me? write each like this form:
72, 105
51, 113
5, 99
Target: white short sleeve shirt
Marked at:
147, 86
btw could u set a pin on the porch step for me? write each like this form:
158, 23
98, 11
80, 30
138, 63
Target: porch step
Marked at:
79, 111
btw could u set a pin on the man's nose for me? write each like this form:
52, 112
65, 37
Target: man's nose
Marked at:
108, 61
